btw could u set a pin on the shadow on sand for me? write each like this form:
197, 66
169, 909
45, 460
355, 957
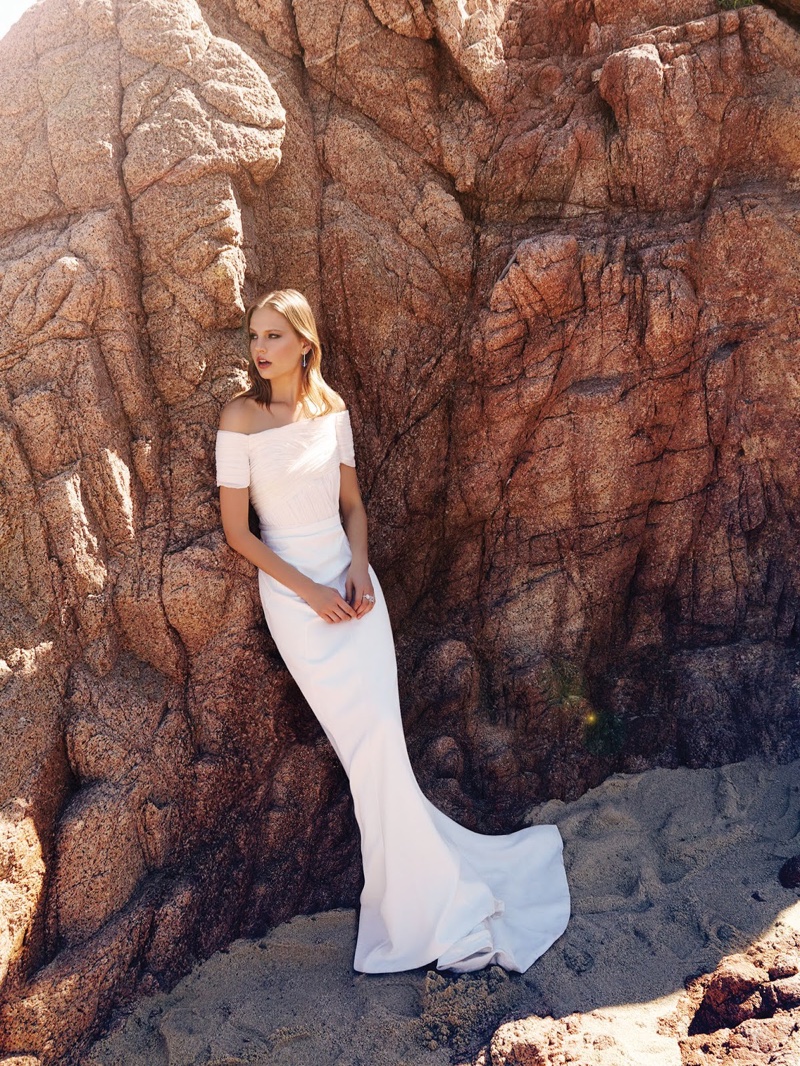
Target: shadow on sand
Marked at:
670, 871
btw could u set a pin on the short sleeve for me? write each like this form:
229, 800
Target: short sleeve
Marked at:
344, 437
233, 459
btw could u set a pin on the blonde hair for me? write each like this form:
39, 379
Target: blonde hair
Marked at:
296, 310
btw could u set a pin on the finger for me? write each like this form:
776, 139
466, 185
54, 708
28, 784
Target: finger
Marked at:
348, 610
366, 606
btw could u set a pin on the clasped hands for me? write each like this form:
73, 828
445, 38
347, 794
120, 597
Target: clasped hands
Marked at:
332, 607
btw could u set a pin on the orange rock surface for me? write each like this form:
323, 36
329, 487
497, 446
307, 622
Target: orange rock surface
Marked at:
555, 252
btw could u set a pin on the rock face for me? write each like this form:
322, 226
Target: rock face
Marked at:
748, 1006
554, 250
745, 1012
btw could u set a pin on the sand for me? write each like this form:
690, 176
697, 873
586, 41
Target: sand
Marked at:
670, 870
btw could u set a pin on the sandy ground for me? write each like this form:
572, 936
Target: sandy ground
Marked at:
670, 870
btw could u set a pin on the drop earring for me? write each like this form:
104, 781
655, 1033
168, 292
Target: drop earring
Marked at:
304, 358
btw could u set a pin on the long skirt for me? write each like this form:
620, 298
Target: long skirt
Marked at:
434, 891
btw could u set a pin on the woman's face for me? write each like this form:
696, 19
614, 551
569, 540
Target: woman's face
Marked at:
275, 348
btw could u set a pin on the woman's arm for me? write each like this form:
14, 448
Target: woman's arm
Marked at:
234, 505
234, 508
354, 520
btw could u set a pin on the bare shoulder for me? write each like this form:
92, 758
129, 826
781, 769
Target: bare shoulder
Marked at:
237, 414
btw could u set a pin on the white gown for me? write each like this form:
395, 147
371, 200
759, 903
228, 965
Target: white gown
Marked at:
433, 890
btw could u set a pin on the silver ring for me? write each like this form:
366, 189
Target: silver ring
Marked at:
368, 598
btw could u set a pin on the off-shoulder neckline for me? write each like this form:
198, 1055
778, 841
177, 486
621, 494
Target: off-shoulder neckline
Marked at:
275, 429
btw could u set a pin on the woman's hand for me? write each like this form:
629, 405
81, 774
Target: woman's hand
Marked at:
328, 604
358, 585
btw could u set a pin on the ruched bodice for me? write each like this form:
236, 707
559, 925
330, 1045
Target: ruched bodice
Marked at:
292, 471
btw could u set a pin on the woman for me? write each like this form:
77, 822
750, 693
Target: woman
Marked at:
433, 890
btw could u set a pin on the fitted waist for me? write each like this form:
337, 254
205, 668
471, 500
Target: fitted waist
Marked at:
273, 535
319, 549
